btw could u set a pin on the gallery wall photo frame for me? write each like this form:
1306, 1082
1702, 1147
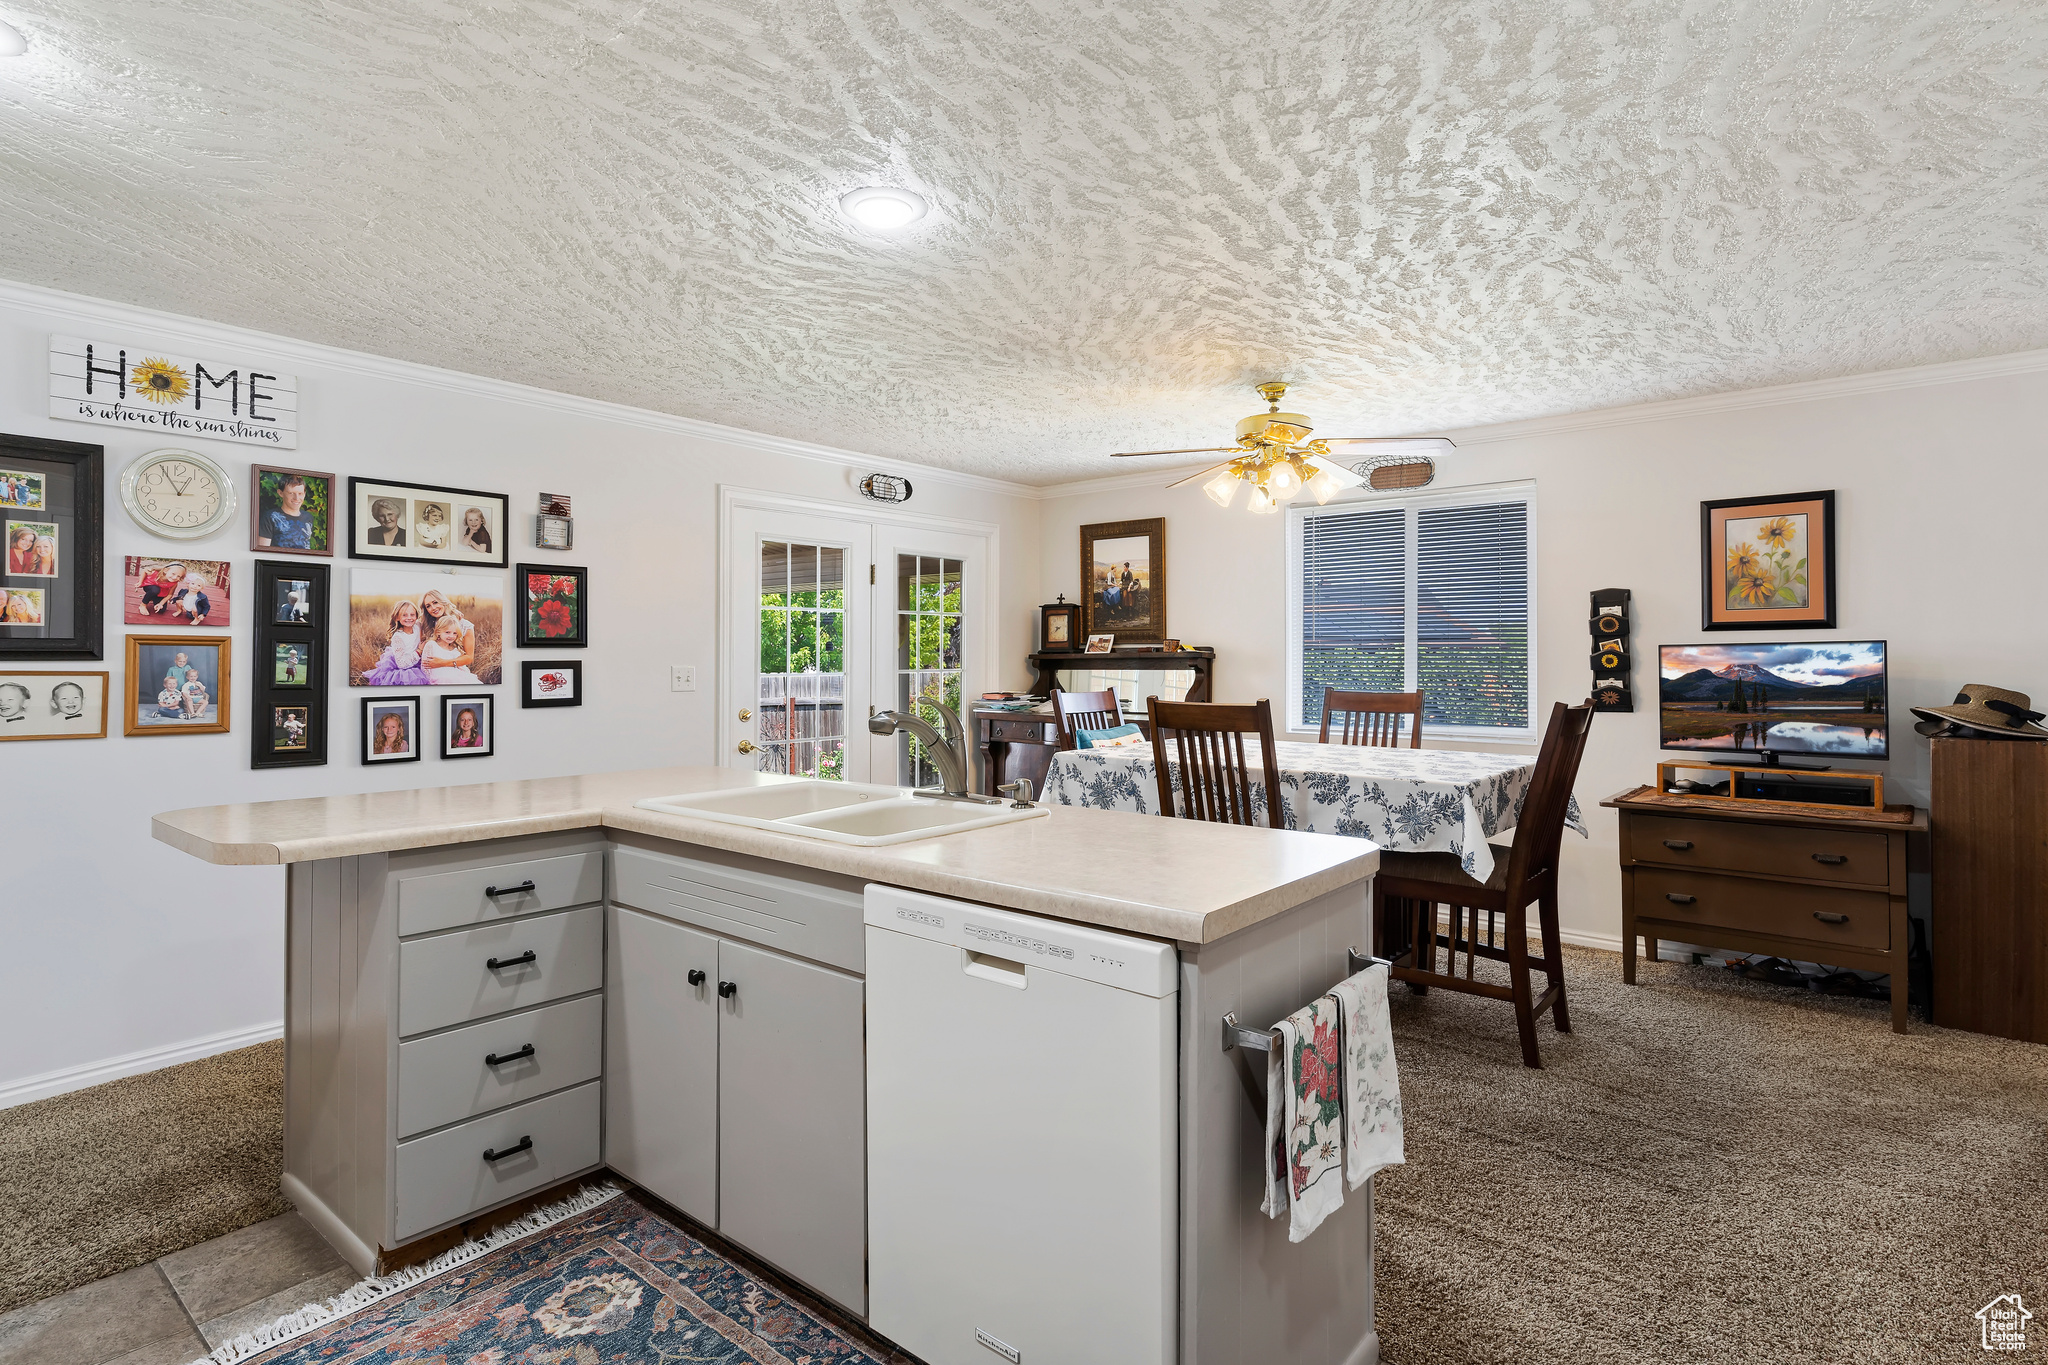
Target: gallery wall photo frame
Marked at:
421, 523
1123, 580
1768, 563
291, 511
52, 705
391, 729
469, 726
553, 606
51, 544
288, 706
551, 684
178, 685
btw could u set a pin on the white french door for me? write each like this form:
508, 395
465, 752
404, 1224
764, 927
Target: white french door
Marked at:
829, 618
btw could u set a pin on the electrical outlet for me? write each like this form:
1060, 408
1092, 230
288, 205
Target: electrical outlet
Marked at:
682, 678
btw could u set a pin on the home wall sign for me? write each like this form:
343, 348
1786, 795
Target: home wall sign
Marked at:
151, 388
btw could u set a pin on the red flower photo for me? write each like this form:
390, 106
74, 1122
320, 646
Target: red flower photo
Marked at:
552, 611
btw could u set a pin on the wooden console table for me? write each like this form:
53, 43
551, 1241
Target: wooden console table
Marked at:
1800, 885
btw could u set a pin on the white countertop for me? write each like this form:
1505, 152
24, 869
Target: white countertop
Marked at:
1178, 879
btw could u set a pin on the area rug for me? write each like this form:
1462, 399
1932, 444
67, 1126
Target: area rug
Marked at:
610, 1281
100, 1180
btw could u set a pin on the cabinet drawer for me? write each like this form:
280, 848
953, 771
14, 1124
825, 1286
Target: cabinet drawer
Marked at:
444, 1176
1022, 731
450, 1076
449, 979
444, 900
1822, 914
819, 922
1856, 857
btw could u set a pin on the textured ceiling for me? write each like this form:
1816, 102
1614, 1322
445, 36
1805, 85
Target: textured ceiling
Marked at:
1426, 214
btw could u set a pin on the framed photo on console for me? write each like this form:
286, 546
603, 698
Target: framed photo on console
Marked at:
50, 546
288, 680
420, 523
1768, 563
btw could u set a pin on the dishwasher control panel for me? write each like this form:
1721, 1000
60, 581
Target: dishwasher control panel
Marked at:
1111, 959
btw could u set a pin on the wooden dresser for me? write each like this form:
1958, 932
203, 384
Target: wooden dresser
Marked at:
1807, 887
1990, 866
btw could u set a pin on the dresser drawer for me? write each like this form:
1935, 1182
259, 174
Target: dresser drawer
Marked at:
1821, 914
1023, 731
1850, 856
443, 1176
450, 1076
449, 979
444, 900
796, 917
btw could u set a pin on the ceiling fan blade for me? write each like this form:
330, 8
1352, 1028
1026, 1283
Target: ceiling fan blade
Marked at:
1201, 475
1420, 445
1199, 450
1346, 478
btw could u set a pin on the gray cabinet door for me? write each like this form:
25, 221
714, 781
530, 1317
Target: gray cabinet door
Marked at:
792, 1119
661, 1060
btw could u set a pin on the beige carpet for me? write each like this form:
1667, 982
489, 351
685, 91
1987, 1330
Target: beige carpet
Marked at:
99, 1180
1707, 1169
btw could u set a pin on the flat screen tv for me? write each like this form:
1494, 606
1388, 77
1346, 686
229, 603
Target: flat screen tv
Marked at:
1822, 697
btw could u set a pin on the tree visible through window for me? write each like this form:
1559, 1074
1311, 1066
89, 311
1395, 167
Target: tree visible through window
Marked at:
802, 722
928, 675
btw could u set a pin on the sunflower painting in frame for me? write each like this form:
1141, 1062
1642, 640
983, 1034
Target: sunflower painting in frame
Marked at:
1768, 563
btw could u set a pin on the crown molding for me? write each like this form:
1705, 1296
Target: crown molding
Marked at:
200, 334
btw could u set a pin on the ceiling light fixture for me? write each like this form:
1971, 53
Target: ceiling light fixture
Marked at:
881, 208
12, 41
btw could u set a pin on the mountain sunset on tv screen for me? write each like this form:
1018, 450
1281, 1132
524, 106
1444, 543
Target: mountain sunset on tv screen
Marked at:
1814, 698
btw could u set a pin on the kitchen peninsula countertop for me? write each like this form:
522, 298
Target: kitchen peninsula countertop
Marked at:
1179, 879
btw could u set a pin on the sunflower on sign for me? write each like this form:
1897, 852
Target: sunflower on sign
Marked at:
160, 381
554, 606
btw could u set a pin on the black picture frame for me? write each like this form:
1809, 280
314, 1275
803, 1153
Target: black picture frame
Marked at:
531, 677
79, 471
267, 698
374, 707
363, 494
484, 704
1717, 577
576, 601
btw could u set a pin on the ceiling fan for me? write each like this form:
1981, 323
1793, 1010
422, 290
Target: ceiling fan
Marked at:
1276, 457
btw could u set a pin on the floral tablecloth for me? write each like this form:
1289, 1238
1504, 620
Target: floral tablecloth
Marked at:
1409, 800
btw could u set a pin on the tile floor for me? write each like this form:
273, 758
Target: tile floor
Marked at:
180, 1307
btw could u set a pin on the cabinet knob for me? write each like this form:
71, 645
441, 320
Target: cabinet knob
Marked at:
1678, 898
1827, 917
728, 989
1831, 859
1679, 844
696, 976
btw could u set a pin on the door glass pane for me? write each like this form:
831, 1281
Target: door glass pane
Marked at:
929, 626
800, 721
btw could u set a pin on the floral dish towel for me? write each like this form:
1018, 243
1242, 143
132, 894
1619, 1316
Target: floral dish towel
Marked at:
1304, 1118
1371, 1087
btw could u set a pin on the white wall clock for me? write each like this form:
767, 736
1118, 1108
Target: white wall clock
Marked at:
178, 494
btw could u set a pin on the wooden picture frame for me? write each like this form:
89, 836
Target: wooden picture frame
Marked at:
553, 606
286, 620
1123, 580
36, 705
1760, 568
479, 704
378, 706
416, 504
551, 684
152, 659
317, 511
62, 484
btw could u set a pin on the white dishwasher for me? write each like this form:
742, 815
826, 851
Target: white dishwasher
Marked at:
1022, 1154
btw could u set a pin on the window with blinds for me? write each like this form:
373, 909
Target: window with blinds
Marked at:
1428, 594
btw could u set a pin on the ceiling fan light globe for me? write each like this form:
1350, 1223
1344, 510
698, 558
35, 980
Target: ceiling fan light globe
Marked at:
1223, 488
1283, 480
1261, 501
1324, 486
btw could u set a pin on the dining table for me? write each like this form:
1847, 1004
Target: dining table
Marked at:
1405, 800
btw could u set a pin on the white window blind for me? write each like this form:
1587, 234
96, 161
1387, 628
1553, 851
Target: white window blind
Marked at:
1425, 593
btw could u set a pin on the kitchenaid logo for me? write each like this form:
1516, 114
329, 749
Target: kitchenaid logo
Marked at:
920, 917
1008, 939
1000, 1347
2004, 1321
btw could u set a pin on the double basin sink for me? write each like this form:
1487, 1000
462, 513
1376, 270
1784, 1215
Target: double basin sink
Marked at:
842, 812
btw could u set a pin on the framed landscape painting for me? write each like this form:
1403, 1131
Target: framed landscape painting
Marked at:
1123, 580
1768, 563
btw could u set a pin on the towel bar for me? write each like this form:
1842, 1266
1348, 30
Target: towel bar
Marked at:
1261, 1040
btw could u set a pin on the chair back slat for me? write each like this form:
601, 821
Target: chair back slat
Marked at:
1372, 718
1539, 829
1073, 711
1208, 741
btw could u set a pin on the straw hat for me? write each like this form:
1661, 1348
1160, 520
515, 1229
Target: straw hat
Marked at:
1990, 709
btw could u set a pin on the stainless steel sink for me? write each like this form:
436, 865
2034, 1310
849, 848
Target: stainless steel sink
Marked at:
842, 812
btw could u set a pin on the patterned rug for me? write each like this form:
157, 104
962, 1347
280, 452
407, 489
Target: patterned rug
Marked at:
614, 1283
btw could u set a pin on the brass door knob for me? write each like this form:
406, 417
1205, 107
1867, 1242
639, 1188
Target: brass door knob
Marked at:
747, 746
745, 714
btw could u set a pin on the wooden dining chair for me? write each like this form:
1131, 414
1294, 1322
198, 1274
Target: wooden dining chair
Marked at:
1410, 886
1207, 740
1372, 718
1073, 711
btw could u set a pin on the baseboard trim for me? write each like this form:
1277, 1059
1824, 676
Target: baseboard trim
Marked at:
361, 1256
49, 1083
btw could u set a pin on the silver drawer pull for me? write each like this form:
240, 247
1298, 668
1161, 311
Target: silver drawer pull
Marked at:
1826, 917
1678, 898
524, 1144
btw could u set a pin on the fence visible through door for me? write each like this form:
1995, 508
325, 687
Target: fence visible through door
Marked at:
801, 701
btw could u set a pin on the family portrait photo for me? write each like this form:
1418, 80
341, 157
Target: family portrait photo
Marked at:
288, 727
391, 729
420, 628
177, 684
21, 606
175, 592
1123, 570
293, 663
293, 511
21, 491
466, 727
53, 706
294, 602
32, 548
425, 524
